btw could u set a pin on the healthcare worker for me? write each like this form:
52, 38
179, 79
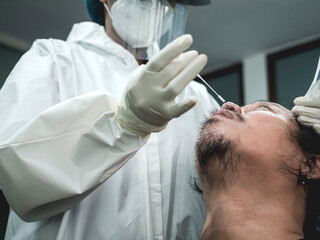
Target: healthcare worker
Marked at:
88, 149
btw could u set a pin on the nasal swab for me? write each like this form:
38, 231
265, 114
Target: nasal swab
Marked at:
221, 98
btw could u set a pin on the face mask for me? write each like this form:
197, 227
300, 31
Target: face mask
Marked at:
140, 23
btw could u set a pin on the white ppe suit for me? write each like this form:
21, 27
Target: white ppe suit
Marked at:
60, 143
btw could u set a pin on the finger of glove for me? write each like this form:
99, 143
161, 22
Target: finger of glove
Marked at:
306, 111
182, 107
307, 121
177, 85
168, 53
316, 128
176, 66
307, 101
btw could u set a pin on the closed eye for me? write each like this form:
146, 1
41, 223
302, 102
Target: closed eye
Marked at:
264, 106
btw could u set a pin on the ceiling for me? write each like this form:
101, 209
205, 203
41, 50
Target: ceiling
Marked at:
227, 30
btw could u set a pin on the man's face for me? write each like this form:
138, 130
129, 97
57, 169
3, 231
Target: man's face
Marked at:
254, 139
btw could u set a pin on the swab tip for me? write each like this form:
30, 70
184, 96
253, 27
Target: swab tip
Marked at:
221, 98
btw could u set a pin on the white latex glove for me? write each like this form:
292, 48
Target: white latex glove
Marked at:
308, 110
148, 103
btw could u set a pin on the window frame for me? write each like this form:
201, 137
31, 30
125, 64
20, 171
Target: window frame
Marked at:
273, 58
235, 68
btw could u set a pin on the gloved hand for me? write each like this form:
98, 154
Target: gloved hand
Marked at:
148, 102
308, 110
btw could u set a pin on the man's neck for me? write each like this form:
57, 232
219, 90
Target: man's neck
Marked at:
237, 215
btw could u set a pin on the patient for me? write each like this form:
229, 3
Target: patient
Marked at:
255, 164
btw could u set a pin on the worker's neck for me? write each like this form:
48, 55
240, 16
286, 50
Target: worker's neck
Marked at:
141, 61
235, 214
115, 37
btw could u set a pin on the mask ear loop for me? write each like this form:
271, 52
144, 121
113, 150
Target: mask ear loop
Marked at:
167, 4
108, 11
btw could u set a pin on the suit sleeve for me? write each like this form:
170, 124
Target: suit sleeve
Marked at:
52, 153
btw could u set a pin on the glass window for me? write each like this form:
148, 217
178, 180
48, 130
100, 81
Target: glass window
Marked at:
291, 72
227, 82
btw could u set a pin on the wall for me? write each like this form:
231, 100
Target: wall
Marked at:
8, 58
255, 78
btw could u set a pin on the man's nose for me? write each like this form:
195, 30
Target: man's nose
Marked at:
231, 106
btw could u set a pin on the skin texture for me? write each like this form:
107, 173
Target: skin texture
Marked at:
257, 195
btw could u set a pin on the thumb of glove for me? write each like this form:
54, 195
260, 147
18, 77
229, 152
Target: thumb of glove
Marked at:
302, 101
316, 128
313, 101
182, 107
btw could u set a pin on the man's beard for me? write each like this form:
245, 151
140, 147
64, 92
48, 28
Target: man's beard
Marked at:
216, 155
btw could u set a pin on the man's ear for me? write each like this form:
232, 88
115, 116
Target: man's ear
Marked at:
311, 168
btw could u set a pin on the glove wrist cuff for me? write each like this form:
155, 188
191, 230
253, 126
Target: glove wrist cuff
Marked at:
133, 123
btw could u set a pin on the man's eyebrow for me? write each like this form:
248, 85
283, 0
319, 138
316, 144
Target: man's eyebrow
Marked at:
290, 114
286, 110
281, 107
272, 104
277, 105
